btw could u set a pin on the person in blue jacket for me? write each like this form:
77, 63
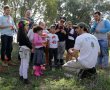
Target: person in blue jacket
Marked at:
100, 28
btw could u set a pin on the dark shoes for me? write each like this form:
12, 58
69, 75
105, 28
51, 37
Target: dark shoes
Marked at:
87, 73
25, 81
21, 78
61, 62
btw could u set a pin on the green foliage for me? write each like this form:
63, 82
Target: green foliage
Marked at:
7, 84
50, 11
77, 12
81, 10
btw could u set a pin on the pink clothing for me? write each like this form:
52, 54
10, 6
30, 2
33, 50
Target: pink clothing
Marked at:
37, 41
44, 35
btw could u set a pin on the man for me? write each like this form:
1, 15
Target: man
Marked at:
28, 18
87, 47
61, 32
7, 28
99, 29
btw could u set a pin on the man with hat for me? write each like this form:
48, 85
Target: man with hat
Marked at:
88, 47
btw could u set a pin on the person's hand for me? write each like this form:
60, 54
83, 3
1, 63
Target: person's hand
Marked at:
32, 50
34, 67
71, 50
63, 31
44, 44
11, 27
57, 30
44, 35
97, 31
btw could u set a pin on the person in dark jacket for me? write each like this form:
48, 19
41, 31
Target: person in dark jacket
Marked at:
70, 40
61, 32
24, 51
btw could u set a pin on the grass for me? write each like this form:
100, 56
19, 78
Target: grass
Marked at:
52, 80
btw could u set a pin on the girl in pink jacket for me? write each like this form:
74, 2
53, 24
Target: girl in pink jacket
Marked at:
38, 59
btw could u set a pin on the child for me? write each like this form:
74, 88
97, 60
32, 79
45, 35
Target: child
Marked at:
38, 59
25, 48
53, 46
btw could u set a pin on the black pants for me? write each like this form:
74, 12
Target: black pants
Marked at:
6, 46
53, 52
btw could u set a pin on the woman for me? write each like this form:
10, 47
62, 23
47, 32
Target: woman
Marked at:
71, 36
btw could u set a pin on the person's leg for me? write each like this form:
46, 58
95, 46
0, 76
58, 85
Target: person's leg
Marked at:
55, 52
21, 55
3, 46
26, 64
47, 55
21, 70
31, 59
100, 56
105, 53
50, 57
59, 50
62, 53
3, 49
9, 47
72, 66
37, 71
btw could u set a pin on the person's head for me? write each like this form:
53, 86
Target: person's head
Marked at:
82, 28
38, 30
23, 25
62, 20
28, 13
52, 29
69, 24
97, 16
34, 25
42, 25
6, 10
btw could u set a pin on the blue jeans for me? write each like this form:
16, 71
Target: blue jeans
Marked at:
104, 55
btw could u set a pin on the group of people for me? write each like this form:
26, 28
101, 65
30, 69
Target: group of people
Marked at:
41, 45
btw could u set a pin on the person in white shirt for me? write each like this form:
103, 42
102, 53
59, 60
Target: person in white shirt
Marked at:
7, 29
53, 46
88, 47
31, 37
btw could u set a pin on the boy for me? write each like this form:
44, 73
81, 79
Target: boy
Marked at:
53, 46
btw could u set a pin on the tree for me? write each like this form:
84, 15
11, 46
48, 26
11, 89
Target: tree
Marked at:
82, 10
50, 11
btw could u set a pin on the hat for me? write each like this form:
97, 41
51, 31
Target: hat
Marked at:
82, 25
22, 23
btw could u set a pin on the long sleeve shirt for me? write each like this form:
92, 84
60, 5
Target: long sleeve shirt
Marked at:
102, 27
37, 41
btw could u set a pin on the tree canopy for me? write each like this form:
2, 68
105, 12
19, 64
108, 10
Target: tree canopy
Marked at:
51, 10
